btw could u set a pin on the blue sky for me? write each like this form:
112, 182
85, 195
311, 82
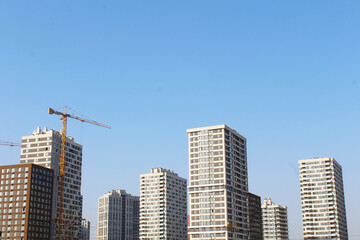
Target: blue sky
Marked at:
284, 74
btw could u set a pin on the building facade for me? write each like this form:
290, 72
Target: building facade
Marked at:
255, 217
85, 229
118, 216
218, 183
43, 148
163, 205
275, 221
322, 199
25, 202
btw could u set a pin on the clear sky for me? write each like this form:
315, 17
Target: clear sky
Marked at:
284, 74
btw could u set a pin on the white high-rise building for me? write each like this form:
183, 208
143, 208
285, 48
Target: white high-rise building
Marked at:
43, 148
275, 221
163, 205
218, 184
118, 216
322, 199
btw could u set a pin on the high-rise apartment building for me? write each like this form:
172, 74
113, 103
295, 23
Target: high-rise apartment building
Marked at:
275, 221
163, 205
25, 202
255, 217
85, 229
218, 183
43, 148
118, 216
322, 199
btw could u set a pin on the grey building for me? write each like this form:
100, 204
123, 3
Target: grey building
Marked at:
85, 229
322, 199
118, 216
255, 217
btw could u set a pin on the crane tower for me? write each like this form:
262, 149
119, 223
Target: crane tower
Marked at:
64, 117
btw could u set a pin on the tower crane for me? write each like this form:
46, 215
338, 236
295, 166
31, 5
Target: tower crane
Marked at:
64, 117
11, 144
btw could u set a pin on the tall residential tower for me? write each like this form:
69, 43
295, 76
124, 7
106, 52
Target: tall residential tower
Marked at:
43, 148
118, 216
163, 205
25, 202
322, 199
218, 184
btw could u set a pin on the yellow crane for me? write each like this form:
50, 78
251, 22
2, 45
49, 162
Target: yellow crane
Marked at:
64, 117
11, 144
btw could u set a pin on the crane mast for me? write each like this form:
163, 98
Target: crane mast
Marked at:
64, 117
62, 169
